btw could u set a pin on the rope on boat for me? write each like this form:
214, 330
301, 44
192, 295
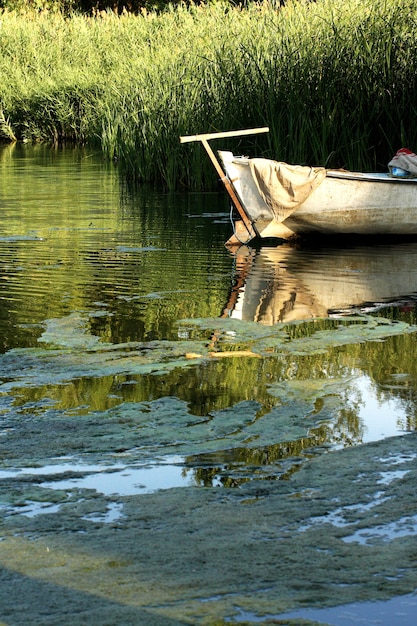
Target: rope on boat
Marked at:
234, 228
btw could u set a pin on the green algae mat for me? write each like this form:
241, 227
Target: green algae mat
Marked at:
268, 513
341, 528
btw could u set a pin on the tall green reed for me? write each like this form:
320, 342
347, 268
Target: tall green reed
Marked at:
335, 81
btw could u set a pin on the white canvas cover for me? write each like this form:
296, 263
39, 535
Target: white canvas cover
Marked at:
284, 187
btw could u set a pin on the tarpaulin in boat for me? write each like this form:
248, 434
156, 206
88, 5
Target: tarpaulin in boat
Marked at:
284, 187
404, 163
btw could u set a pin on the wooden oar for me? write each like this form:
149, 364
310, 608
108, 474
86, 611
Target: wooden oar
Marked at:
205, 138
227, 133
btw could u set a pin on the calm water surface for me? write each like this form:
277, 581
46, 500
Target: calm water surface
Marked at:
94, 275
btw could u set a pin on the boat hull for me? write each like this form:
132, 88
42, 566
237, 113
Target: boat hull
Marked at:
344, 203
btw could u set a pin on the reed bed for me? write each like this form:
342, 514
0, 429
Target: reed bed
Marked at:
335, 80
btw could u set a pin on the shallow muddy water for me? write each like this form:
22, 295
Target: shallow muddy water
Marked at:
138, 354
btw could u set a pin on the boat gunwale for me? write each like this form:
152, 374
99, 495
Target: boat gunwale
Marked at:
374, 177
341, 174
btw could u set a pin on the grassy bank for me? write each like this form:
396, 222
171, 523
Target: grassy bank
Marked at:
335, 80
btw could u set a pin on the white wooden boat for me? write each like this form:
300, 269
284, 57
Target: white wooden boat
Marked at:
276, 200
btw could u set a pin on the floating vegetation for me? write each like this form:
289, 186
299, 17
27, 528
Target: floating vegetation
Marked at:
72, 352
299, 403
297, 338
312, 525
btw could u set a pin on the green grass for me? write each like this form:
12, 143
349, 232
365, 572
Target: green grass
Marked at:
335, 80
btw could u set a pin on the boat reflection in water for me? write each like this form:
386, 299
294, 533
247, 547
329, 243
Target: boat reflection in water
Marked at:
286, 283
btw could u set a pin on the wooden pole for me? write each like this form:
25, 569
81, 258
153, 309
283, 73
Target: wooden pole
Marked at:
204, 138
228, 133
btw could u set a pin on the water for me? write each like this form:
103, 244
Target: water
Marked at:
92, 267
74, 239
114, 305
399, 611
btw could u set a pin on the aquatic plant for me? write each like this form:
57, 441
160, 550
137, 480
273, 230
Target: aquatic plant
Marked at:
6, 131
335, 81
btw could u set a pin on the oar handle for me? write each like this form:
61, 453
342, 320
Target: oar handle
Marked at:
247, 221
229, 133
